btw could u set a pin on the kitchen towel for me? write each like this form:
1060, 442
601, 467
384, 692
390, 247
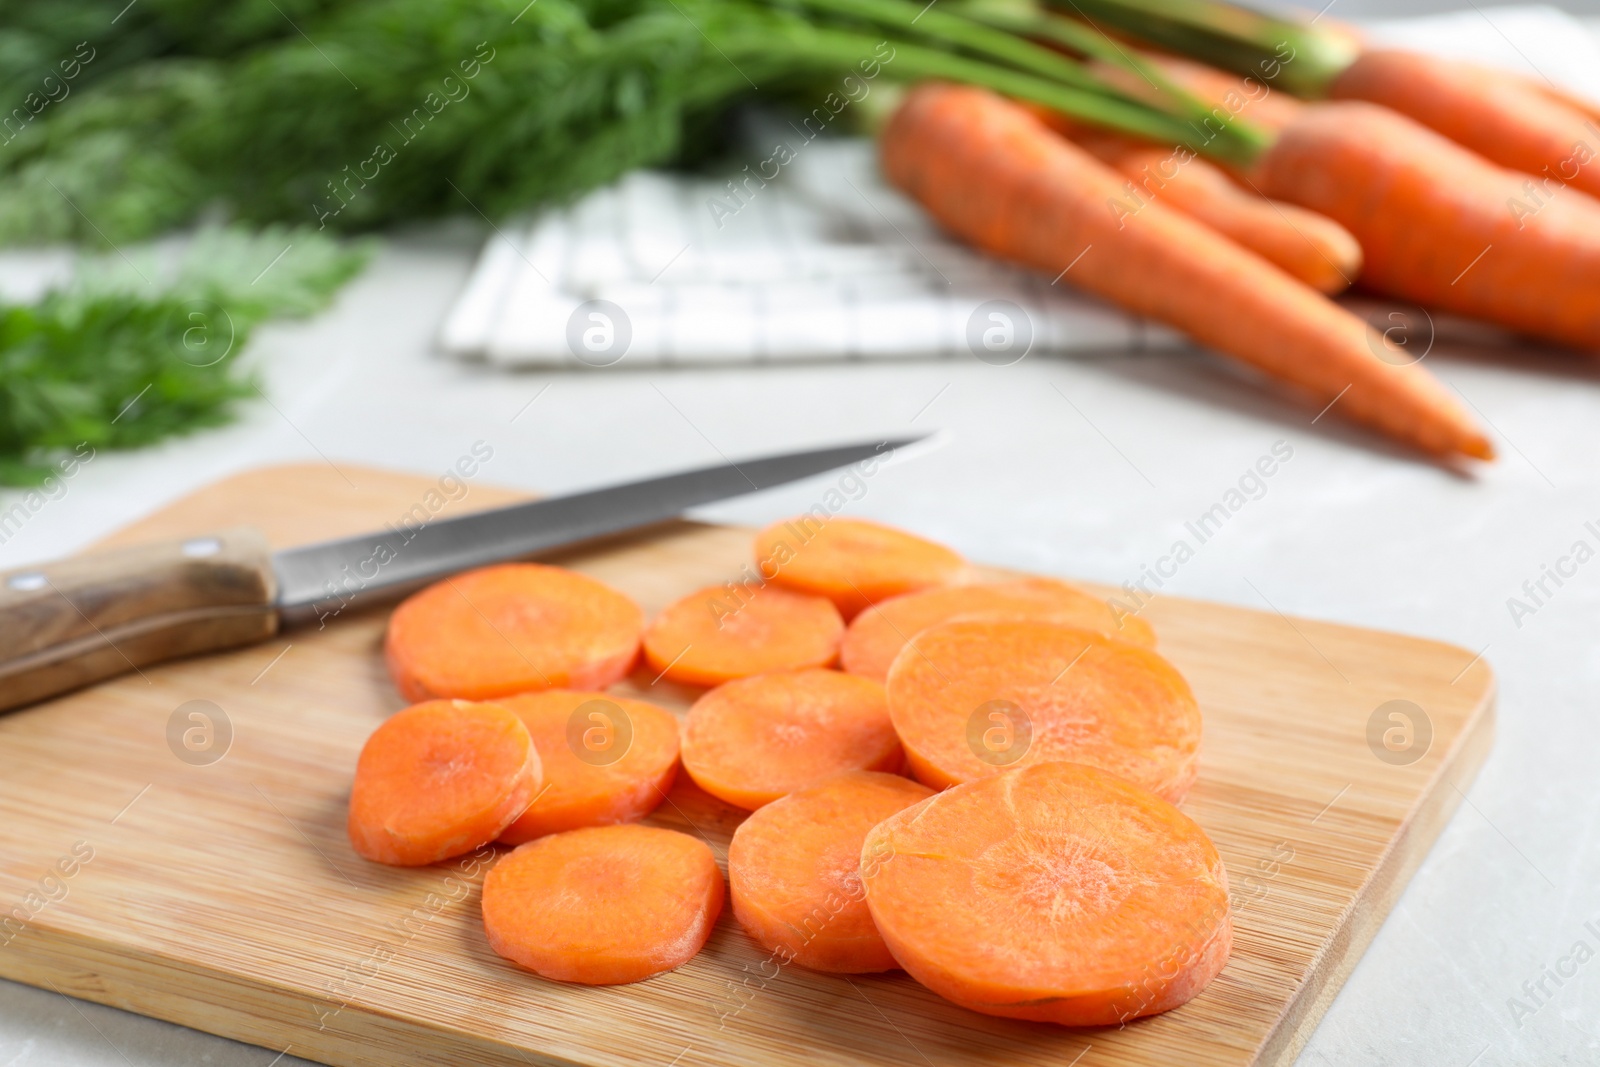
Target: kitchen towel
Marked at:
825, 261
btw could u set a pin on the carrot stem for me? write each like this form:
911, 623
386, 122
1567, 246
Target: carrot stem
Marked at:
971, 36
1034, 22
1303, 57
1236, 144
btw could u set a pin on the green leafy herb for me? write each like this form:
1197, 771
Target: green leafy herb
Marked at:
128, 354
374, 111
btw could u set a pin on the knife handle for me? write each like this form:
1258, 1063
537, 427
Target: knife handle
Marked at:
73, 622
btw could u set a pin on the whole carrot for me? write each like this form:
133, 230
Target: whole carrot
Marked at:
1503, 119
1438, 224
991, 172
1441, 225
1566, 97
1304, 244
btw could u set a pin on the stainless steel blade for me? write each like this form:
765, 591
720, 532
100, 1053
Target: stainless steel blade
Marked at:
320, 580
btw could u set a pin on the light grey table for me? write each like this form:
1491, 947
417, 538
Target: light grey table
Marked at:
1084, 468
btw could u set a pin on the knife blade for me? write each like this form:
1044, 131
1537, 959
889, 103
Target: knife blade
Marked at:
80, 620
318, 578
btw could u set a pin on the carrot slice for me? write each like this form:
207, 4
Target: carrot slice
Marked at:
972, 698
440, 779
603, 905
511, 628
606, 760
749, 742
712, 636
794, 871
878, 634
1055, 893
852, 562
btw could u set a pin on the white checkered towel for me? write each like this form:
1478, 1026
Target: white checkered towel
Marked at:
826, 261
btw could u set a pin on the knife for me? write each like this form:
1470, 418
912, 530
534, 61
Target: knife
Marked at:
73, 622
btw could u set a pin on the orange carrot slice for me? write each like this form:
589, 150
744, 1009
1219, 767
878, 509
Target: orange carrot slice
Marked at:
971, 698
749, 742
878, 634
509, 629
606, 760
794, 871
1055, 893
439, 780
712, 636
852, 562
603, 905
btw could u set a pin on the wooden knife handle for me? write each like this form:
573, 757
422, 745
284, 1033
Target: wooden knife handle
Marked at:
73, 622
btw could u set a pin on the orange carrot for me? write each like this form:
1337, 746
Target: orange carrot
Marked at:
606, 760
878, 634
511, 628
1519, 122
1440, 225
713, 635
794, 871
971, 698
1055, 893
439, 780
993, 174
1499, 116
851, 561
1232, 96
749, 742
603, 905
1305, 245
1583, 105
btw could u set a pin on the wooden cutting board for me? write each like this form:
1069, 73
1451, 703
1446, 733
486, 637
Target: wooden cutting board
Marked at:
213, 885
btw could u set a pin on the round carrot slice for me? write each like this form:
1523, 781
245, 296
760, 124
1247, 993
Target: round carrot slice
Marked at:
606, 760
603, 905
749, 742
878, 634
974, 697
1056, 893
712, 636
852, 562
440, 779
511, 628
794, 871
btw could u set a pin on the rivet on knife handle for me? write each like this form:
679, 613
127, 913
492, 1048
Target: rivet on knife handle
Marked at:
72, 622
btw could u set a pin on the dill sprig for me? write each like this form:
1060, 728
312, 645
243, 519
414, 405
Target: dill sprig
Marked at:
129, 354
119, 122
376, 111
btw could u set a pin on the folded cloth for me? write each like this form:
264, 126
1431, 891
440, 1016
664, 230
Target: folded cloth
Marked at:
825, 261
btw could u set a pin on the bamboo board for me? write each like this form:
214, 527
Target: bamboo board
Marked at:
221, 893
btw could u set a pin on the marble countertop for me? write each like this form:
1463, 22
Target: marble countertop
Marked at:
1086, 468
